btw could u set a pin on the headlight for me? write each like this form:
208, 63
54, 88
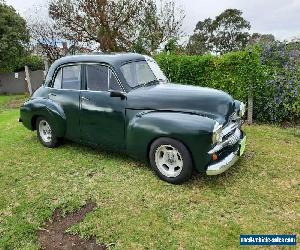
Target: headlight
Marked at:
242, 110
217, 133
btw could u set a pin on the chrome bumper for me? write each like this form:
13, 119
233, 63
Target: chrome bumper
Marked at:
222, 166
229, 160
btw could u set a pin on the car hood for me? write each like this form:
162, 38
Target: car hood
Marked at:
208, 102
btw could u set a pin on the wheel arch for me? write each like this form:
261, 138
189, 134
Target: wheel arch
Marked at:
33, 121
46, 108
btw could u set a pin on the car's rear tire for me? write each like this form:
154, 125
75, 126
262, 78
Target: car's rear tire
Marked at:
46, 133
171, 160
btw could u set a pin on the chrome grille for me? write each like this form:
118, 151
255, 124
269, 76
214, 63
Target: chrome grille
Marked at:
234, 138
231, 134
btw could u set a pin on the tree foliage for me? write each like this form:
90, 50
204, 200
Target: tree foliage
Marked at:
46, 39
261, 39
227, 32
13, 37
123, 25
201, 41
33, 62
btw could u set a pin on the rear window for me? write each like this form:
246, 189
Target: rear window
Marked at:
71, 77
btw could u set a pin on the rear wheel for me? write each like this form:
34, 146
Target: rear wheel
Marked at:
171, 160
46, 133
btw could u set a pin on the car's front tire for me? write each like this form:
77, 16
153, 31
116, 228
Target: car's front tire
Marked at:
46, 133
171, 160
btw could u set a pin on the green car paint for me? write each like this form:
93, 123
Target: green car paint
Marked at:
131, 121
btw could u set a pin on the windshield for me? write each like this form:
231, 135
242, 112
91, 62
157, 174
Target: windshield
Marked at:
142, 72
156, 69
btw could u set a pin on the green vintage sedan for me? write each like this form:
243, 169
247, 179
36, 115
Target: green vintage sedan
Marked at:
124, 102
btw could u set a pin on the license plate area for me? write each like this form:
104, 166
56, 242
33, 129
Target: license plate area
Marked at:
242, 146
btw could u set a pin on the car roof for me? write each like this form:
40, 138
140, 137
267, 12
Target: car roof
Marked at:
113, 59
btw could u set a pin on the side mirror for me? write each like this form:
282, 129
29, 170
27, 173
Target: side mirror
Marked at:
116, 93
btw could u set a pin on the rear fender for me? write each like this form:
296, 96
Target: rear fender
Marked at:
45, 108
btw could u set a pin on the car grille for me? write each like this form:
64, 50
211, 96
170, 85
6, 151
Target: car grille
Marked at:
234, 137
231, 134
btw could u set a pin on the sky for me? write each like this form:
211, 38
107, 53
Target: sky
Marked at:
278, 17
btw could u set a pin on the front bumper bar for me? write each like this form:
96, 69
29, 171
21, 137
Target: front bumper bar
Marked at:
227, 162
223, 165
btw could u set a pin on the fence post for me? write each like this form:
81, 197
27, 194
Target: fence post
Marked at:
250, 109
27, 79
46, 63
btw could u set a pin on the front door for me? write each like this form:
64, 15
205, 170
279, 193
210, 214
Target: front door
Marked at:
102, 117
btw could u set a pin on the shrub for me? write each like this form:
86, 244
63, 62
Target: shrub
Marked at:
237, 73
280, 100
32, 61
270, 75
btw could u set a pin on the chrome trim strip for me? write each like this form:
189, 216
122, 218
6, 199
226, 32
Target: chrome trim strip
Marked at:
85, 63
233, 139
229, 128
222, 166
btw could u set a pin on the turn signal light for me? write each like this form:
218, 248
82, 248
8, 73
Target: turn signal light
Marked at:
214, 157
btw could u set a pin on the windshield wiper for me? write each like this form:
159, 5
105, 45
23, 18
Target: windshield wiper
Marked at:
153, 82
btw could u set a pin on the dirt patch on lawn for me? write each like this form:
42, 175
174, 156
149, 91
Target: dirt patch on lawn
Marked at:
53, 235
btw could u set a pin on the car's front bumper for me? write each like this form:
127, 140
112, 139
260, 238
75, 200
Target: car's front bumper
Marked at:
229, 160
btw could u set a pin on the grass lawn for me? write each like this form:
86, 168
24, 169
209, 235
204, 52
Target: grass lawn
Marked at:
136, 210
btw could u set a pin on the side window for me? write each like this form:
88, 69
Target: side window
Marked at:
113, 82
57, 81
71, 77
97, 77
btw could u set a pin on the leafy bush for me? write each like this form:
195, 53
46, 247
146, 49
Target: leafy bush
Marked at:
237, 73
270, 75
32, 61
280, 100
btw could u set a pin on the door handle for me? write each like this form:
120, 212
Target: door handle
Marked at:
51, 94
85, 98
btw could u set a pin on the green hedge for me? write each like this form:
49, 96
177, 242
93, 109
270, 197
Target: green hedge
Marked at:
237, 73
32, 61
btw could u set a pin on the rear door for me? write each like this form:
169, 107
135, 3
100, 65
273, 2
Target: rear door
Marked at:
102, 117
66, 92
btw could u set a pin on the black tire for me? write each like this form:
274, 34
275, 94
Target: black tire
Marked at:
184, 173
51, 142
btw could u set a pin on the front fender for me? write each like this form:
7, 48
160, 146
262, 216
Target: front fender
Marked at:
34, 108
194, 131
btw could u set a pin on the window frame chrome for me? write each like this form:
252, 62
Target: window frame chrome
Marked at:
81, 77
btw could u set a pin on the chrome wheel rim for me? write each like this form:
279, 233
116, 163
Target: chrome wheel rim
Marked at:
45, 131
168, 161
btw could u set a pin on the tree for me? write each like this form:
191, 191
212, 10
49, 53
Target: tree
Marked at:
227, 32
201, 41
13, 37
159, 24
257, 38
122, 25
46, 40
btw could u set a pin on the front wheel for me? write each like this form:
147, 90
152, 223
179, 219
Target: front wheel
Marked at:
171, 160
46, 133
